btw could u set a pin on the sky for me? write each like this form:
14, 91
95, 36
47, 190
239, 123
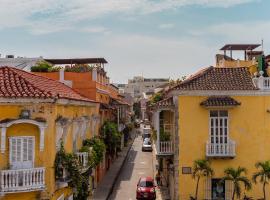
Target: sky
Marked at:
153, 38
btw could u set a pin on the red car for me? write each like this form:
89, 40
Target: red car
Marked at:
146, 189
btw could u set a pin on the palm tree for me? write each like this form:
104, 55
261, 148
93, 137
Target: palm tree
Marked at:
263, 174
201, 167
235, 175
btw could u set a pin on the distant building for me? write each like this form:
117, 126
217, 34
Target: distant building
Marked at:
20, 62
139, 85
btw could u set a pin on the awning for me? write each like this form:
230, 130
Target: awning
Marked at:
220, 101
164, 104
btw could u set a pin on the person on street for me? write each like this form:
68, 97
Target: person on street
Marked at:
158, 178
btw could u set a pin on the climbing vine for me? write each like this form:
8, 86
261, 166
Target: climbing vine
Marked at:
97, 149
69, 162
111, 136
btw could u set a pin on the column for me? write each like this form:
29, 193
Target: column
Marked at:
158, 131
41, 142
3, 139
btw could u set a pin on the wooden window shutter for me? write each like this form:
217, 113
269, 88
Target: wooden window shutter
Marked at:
228, 190
207, 188
13, 148
25, 149
31, 149
19, 149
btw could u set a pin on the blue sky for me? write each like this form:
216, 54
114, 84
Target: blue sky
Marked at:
156, 38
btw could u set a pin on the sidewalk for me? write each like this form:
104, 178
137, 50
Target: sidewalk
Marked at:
161, 191
105, 187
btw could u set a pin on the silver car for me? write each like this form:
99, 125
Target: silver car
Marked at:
147, 145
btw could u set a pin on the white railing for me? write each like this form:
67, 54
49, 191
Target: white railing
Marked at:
220, 150
262, 83
165, 147
83, 158
266, 83
22, 179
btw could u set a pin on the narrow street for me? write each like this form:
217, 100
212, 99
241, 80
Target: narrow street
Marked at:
138, 164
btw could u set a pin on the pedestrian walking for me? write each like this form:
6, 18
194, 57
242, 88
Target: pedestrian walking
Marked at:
158, 178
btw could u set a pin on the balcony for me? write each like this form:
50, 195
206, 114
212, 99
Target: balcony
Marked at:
83, 158
22, 180
220, 150
261, 82
165, 148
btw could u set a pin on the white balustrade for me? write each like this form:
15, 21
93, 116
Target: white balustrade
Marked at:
266, 83
262, 83
22, 179
83, 158
220, 150
165, 147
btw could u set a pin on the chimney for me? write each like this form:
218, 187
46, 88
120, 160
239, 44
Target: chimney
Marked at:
62, 75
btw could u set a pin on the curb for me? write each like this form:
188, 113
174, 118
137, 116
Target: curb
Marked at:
117, 174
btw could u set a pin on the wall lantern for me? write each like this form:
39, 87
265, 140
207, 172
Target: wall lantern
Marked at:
25, 114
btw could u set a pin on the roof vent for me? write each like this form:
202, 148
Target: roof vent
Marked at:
9, 56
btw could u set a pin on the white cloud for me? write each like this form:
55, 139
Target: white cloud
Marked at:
166, 26
96, 29
43, 16
130, 55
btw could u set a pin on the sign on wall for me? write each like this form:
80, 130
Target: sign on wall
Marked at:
186, 170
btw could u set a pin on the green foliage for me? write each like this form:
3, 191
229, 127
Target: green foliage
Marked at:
263, 174
79, 68
98, 148
201, 168
111, 136
154, 135
44, 66
164, 136
235, 175
70, 163
137, 109
155, 98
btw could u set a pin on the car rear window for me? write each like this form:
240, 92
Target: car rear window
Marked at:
146, 184
147, 142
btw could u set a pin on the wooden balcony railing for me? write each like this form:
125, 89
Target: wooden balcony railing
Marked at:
22, 180
83, 158
220, 150
165, 148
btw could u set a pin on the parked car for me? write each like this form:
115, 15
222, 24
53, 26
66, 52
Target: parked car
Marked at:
147, 145
146, 133
146, 189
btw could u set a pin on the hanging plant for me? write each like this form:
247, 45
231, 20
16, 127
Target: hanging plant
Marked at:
111, 136
98, 148
70, 163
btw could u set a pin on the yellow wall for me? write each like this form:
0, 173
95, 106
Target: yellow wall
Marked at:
45, 158
249, 127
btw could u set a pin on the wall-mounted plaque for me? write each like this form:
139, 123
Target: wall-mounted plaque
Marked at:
186, 170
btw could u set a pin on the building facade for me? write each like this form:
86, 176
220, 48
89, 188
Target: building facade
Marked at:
37, 114
139, 85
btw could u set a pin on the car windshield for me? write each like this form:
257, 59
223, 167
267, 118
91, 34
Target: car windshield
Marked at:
146, 135
146, 184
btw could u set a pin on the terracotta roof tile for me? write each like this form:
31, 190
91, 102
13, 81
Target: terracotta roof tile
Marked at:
16, 83
216, 101
215, 78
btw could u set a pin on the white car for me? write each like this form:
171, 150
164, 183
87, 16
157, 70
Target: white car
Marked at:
147, 145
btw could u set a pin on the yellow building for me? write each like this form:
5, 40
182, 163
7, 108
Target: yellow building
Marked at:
36, 114
222, 116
